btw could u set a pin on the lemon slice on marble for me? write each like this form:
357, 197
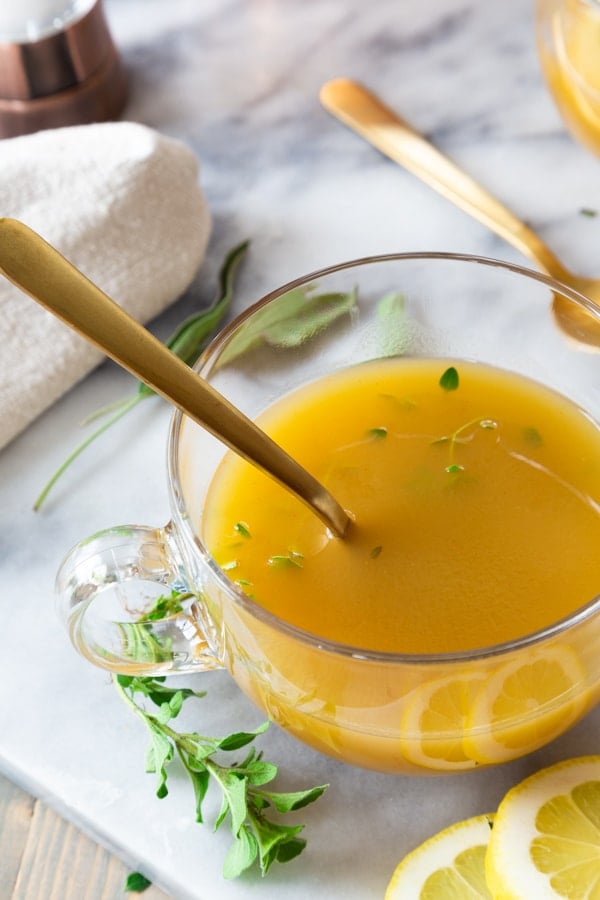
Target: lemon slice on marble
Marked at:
451, 864
434, 720
545, 842
524, 704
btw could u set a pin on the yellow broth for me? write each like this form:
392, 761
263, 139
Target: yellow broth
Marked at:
476, 509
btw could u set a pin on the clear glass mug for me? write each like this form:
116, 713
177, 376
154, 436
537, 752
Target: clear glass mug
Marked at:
568, 41
371, 709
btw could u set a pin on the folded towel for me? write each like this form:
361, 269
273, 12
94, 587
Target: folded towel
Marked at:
120, 201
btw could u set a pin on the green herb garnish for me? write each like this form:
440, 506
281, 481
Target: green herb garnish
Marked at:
395, 329
449, 380
284, 560
378, 433
375, 551
137, 883
165, 606
533, 437
245, 802
242, 529
292, 320
459, 437
590, 213
186, 342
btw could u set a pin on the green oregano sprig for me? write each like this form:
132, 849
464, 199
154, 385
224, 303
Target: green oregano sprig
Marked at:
187, 342
246, 803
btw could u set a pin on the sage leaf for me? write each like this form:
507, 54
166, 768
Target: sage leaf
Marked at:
290, 321
394, 327
187, 342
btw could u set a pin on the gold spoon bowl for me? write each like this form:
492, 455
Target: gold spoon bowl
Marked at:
362, 111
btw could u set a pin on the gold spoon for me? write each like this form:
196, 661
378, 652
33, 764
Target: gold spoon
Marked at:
362, 111
41, 271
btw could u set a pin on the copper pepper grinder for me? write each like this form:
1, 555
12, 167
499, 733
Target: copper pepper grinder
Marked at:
58, 66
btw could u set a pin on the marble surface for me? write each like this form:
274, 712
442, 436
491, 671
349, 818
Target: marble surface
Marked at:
238, 81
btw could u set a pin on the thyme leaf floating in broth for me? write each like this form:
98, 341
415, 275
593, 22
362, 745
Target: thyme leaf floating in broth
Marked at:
450, 380
533, 437
281, 561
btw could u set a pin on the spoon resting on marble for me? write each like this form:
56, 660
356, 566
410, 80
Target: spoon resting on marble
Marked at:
41, 271
361, 110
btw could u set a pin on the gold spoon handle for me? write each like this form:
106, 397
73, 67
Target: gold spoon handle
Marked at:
41, 271
362, 111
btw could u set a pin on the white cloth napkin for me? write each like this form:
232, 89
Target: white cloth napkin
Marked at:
120, 201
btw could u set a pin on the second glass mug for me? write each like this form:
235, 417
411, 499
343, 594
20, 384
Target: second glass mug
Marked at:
568, 42
365, 708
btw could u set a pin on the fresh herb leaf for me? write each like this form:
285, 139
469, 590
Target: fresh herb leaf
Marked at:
142, 645
186, 342
454, 467
590, 213
283, 561
449, 380
461, 436
241, 738
244, 801
293, 800
533, 437
165, 606
242, 529
375, 551
242, 853
142, 641
378, 433
391, 306
296, 317
395, 330
137, 883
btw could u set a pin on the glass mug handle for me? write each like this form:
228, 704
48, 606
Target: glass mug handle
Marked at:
127, 603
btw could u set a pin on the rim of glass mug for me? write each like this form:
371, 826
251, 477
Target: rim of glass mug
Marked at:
204, 367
